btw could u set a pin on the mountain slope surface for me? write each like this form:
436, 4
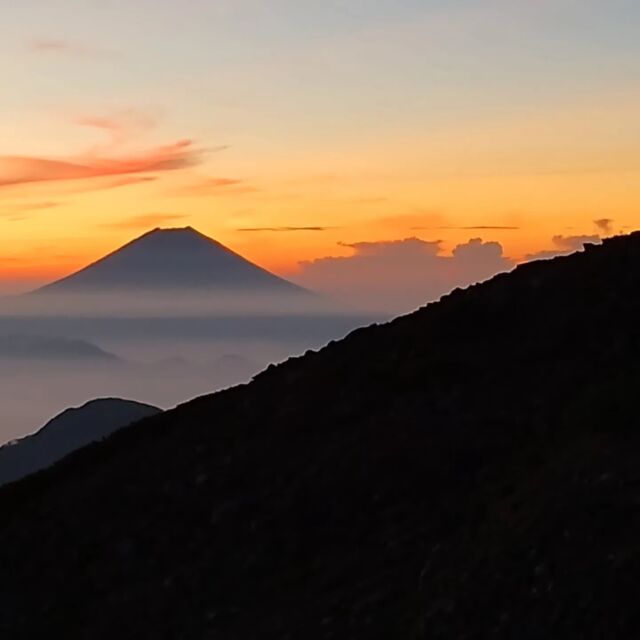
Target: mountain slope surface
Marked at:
468, 471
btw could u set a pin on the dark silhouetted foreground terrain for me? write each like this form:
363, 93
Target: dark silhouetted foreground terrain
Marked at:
72, 429
468, 471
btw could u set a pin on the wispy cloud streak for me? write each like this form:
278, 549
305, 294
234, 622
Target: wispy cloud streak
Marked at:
215, 187
16, 170
62, 47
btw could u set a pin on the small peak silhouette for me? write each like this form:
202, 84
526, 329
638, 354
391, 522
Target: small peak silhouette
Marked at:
72, 429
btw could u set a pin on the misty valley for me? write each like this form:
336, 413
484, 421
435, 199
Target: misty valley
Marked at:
166, 318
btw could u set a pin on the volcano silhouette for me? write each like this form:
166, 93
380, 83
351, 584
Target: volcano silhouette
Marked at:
173, 259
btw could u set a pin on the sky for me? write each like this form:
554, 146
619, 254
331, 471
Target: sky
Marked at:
317, 138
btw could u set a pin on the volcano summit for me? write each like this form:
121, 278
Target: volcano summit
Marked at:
172, 260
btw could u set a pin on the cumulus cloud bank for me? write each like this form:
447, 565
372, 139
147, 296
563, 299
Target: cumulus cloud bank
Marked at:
401, 275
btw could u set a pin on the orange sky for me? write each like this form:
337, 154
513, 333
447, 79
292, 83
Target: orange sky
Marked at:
315, 131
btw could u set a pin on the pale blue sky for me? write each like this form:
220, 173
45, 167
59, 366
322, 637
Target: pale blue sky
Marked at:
340, 66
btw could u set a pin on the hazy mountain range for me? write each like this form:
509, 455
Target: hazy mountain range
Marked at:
155, 320
469, 470
52, 348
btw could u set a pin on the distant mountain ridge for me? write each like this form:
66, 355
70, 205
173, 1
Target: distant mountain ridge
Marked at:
54, 348
180, 259
70, 430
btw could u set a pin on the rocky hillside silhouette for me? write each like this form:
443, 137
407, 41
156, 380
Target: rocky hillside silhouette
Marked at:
180, 259
72, 429
467, 471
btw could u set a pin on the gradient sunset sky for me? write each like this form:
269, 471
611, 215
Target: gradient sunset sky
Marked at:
293, 130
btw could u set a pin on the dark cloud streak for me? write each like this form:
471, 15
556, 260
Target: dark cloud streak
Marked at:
280, 229
472, 228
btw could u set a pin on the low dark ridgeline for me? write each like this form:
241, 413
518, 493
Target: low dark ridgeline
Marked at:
467, 471
70, 430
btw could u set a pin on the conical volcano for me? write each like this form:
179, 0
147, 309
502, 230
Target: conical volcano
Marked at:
179, 259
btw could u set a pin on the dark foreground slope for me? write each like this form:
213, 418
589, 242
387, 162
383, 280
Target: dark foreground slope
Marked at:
469, 471
72, 429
